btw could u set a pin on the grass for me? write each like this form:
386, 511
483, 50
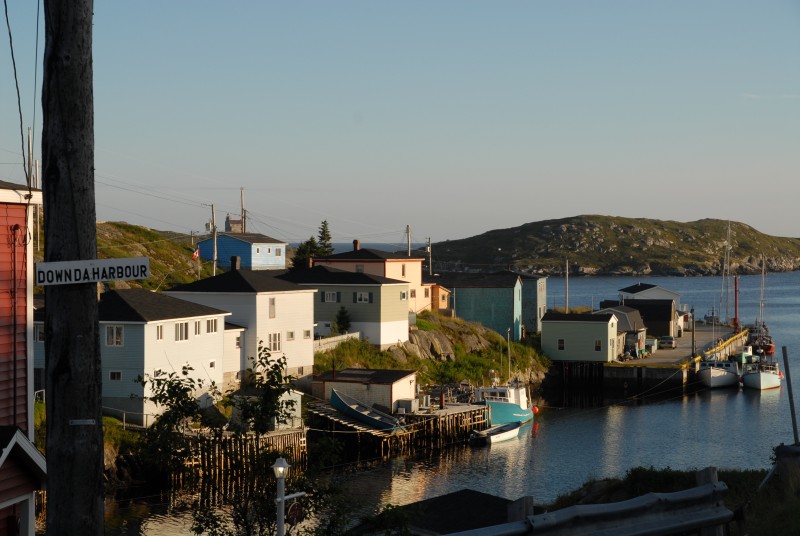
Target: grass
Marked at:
768, 512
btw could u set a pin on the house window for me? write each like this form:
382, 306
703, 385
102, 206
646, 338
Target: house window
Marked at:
444, 298
299, 371
114, 336
38, 333
211, 325
290, 335
278, 252
362, 297
330, 297
258, 250
269, 250
197, 327
359, 268
414, 293
182, 331
212, 364
597, 345
427, 293
560, 344
403, 270
274, 342
238, 341
272, 307
115, 375
159, 332
403, 295
307, 334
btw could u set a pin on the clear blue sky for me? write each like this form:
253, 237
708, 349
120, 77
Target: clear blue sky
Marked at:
454, 117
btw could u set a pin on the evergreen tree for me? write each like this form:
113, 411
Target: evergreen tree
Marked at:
324, 240
305, 251
343, 320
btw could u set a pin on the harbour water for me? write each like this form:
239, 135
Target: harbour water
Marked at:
567, 446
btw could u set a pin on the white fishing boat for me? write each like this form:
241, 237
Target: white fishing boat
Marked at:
716, 373
495, 434
762, 375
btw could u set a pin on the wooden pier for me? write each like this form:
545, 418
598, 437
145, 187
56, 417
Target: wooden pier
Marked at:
424, 430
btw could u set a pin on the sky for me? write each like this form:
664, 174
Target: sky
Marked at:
450, 118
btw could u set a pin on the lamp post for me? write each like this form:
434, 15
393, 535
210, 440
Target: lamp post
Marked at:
281, 470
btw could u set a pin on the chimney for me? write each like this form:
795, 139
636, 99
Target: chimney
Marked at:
356, 245
236, 263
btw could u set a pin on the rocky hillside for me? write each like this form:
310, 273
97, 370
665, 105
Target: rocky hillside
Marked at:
607, 245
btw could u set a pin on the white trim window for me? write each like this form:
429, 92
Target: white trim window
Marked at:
274, 342
272, 307
403, 295
211, 325
290, 335
38, 333
181, 331
197, 327
115, 375
330, 297
238, 341
115, 336
362, 297
306, 333
160, 332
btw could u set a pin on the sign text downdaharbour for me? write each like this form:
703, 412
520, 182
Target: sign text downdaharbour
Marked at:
92, 271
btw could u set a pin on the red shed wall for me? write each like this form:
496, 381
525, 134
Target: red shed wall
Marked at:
13, 316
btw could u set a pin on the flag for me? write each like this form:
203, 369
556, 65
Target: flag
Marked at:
196, 254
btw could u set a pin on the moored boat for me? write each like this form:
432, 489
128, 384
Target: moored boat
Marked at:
363, 413
762, 375
495, 434
716, 373
507, 403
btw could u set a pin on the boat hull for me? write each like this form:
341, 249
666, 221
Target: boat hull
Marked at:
495, 434
720, 374
363, 413
761, 380
507, 412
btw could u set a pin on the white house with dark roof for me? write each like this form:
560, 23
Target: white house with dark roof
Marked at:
647, 291
273, 311
398, 266
629, 322
255, 251
581, 337
377, 306
143, 332
383, 389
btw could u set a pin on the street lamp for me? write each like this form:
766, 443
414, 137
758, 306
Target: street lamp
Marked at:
281, 470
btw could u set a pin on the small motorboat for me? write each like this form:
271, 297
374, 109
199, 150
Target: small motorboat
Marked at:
495, 434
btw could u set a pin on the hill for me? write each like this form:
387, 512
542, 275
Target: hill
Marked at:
170, 254
609, 245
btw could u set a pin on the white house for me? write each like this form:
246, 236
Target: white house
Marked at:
647, 291
580, 337
386, 390
276, 314
377, 306
143, 333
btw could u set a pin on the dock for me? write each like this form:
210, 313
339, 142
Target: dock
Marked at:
429, 429
665, 372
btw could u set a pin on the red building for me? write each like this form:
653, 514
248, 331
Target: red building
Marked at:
22, 466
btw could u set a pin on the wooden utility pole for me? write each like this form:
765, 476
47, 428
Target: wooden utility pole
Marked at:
214, 231
72, 351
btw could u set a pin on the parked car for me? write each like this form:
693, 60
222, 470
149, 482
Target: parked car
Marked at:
667, 341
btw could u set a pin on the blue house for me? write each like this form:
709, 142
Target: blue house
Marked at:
494, 300
255, 251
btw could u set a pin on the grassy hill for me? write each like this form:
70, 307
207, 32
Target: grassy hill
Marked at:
170, 254
611, 245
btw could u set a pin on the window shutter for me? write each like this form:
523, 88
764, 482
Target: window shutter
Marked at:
370, 297
322, 296
338, 297
354, 297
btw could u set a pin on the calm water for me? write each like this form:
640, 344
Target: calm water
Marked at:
567, 446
